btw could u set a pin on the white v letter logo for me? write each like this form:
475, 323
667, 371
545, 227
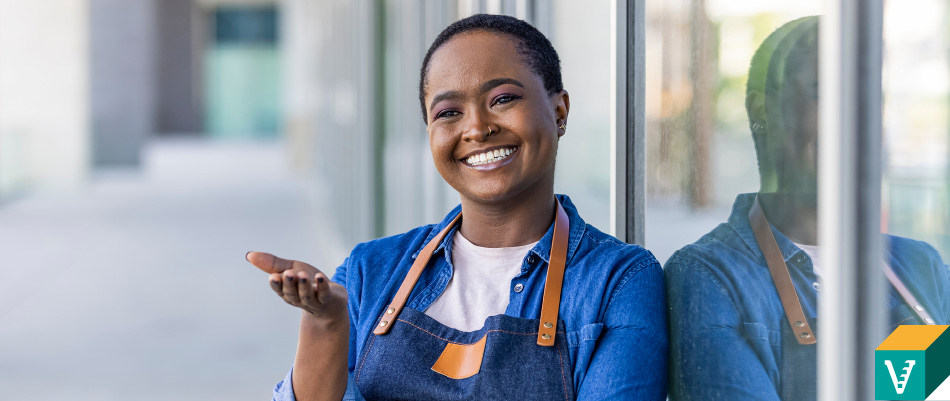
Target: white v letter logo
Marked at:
900, 385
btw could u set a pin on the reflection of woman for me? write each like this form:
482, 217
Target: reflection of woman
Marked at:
518, 300
744, 298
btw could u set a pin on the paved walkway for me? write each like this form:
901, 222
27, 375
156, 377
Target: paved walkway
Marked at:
135, 287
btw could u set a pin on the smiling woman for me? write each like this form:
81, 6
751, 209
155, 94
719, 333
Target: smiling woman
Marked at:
518, 299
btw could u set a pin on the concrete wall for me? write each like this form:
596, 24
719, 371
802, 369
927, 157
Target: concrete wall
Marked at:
180, 46
332, 103
44, 107
122, 46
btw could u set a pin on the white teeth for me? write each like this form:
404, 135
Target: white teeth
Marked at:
490, 156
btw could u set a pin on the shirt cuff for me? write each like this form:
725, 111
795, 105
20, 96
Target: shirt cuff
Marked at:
284, 391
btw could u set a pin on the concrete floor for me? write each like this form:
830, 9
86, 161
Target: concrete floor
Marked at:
136, 287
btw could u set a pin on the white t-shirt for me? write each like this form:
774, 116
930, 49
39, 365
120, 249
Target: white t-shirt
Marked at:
479, 286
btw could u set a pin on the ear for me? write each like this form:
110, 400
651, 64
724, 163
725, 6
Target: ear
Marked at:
562, 106
755, 107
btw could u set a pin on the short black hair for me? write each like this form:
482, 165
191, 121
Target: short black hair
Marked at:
537, 50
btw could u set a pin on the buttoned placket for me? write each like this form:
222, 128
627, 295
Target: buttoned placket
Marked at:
801, 261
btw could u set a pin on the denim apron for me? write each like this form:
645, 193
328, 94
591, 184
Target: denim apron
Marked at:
411, 356
798, 373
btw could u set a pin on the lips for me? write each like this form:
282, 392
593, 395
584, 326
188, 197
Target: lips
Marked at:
489, 156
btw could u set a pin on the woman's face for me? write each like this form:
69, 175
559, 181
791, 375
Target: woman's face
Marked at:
800, 112
476, 81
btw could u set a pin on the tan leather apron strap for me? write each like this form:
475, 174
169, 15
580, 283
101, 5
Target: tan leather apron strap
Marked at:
909, 297
779, 272
392, 311
551, 301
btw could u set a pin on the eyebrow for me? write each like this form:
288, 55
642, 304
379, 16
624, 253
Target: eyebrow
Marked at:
487, 86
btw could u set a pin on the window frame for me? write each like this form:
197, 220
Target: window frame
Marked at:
850, 177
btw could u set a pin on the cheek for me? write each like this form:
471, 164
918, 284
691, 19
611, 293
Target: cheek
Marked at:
441, 145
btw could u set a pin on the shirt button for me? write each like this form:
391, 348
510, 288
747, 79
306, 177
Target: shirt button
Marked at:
532, 259
519, 287
816, 285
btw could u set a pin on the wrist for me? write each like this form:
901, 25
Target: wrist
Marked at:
324, 324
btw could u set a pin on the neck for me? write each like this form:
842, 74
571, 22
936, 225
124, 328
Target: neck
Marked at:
522, 220
796, 217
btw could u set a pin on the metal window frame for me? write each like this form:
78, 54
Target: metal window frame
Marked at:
849, 178
627, 121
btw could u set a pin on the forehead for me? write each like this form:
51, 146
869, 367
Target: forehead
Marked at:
471, 58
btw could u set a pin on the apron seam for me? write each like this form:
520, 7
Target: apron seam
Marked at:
902, 321
362, 362
457, 343
560, 361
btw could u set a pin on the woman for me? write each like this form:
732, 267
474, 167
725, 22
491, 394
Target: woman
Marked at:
518, 299
744, 298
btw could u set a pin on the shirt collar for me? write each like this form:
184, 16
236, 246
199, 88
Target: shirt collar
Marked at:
739, 221
542, 250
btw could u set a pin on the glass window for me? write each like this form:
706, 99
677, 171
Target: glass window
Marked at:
916, 117
732, 193
581, 35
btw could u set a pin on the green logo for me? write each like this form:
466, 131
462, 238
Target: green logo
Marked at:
911, 362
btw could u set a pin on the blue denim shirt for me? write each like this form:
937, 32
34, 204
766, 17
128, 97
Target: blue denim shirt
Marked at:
726, 318
613, 303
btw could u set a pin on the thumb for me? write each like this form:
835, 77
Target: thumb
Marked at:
268, 263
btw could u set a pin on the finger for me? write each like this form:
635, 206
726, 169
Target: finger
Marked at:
290, 289
323, 287
268, 263
305, 290
276, 284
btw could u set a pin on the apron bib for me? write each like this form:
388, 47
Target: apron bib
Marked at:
798, 376
504, 362
798, 373
411, 356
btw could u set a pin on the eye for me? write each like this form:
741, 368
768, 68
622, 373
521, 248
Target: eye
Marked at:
447, 114
506, 98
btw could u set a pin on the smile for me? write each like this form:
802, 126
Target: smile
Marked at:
490, 156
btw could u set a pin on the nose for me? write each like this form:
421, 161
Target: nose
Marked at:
476, 128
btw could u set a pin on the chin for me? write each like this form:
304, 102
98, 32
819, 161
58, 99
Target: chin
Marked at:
492, 195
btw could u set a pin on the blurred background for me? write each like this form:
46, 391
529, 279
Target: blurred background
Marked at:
146, 145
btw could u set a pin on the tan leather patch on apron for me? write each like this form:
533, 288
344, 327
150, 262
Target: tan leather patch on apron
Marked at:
461, 361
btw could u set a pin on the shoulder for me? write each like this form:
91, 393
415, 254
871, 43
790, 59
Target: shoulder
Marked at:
598, 250
901, 248
914, 259
607, 248
604, 263
377, 260
394, 246
719, 257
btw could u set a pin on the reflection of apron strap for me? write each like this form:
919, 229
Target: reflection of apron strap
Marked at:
551, 301
779, 272
909, 297
392, 311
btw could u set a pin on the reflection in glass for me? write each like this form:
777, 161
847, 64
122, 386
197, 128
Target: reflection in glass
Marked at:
744, 297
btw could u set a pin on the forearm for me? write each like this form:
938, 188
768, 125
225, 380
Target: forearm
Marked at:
320, 365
